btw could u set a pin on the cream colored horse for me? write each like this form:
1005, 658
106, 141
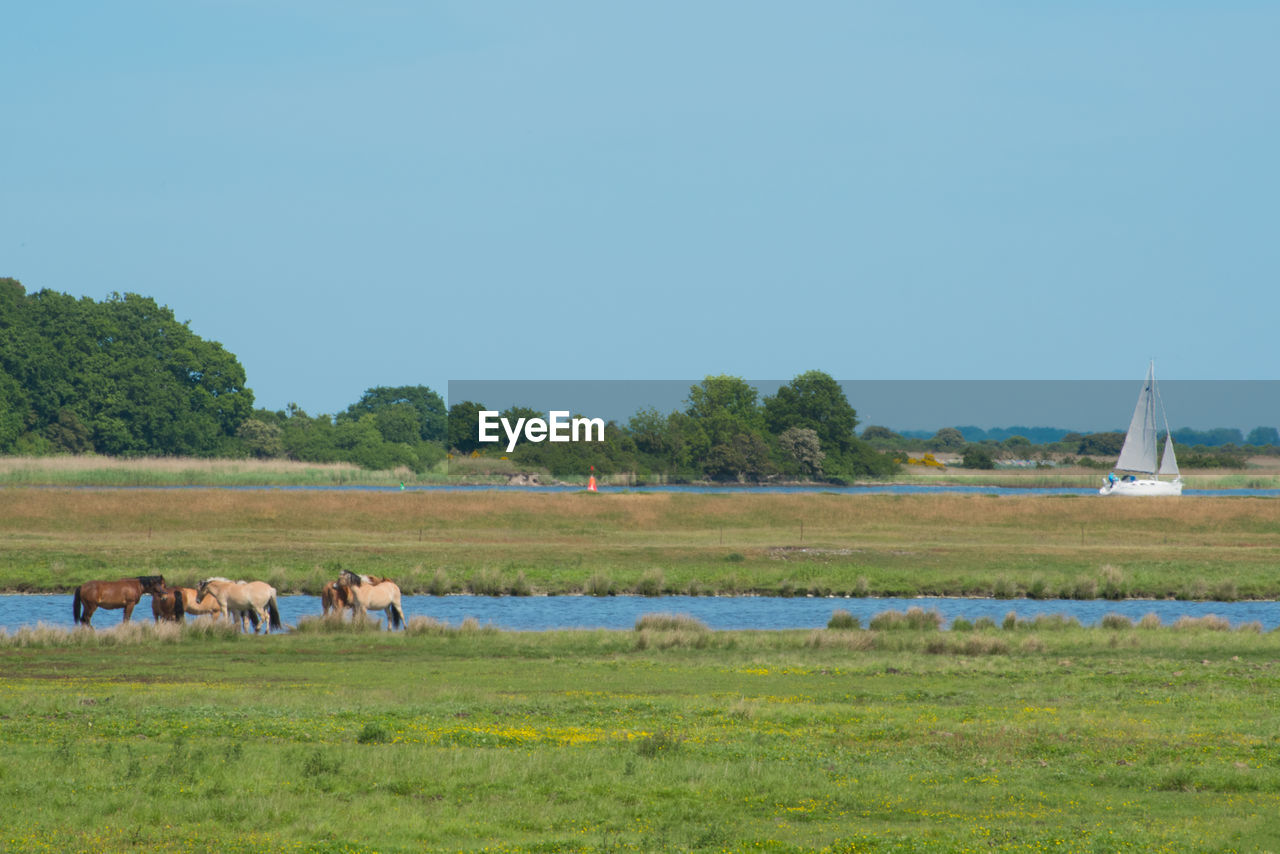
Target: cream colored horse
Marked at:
366, 595
253, 599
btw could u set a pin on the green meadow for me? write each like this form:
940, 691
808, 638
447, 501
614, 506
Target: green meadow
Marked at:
893, 736
1023, 737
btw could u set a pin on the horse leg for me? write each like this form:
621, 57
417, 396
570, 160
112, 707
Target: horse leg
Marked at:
128, 611
89, 608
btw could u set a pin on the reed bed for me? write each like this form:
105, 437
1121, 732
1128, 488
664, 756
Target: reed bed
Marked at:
91, 470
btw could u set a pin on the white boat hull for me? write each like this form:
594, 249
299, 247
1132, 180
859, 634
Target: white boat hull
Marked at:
1142, 487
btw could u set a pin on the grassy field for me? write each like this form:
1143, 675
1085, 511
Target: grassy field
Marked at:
1022, 737
1036, 737
496, 542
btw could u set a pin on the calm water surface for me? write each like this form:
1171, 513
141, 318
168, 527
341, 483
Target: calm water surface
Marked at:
538, 613
871, 489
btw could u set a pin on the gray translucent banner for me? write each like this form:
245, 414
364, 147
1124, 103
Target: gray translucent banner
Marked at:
900, 405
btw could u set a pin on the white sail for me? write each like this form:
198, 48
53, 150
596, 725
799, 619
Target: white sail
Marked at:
1169, 462
1140, 447
1139, 450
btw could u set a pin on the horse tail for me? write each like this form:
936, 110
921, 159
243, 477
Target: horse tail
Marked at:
179, 609
77, 608
274, 613
397, 616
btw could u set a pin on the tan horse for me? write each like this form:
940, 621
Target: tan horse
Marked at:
255, 600
369, 596
196, 605
334, 597
124, 593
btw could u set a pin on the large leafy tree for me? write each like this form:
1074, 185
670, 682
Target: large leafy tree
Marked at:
120, 376
430, 416
726, 411
813, 401
464, 426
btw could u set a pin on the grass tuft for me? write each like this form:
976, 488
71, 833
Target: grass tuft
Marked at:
842, 620
600, 584
652, 583
670, 623
1209, 622
915, 619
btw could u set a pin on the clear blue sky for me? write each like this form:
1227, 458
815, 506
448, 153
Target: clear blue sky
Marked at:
383, 193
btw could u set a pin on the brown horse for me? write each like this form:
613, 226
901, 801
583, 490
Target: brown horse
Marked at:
334, 597
124, 593
166, 604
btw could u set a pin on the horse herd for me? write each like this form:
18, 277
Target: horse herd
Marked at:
243, 602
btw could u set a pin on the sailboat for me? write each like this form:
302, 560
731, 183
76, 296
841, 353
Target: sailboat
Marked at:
1138, 454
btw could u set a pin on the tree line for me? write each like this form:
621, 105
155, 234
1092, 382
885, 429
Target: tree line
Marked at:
123, 377
725, 432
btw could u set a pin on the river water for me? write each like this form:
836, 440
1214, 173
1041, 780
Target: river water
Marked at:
538, 613
862, 489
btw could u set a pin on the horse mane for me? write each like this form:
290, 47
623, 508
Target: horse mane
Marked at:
352, 579
144, 580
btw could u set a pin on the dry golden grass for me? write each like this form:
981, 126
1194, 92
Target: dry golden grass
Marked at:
69, 464
561, 516
295, 539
